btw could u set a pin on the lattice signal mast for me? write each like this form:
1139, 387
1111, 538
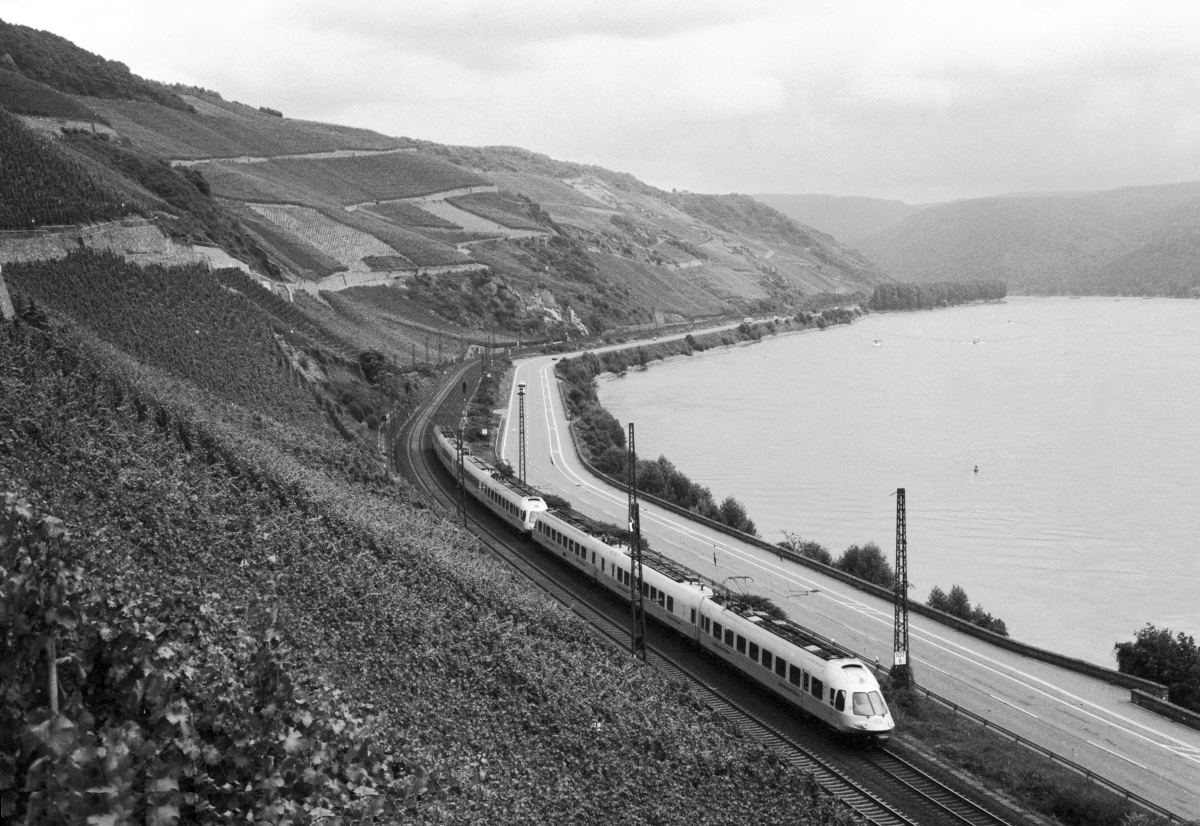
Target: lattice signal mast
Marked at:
521, 432
637, 637
901, 667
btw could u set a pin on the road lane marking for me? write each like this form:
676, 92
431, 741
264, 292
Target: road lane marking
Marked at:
1115, 754
1010, 705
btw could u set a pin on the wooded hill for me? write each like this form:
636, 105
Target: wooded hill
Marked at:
1133, 241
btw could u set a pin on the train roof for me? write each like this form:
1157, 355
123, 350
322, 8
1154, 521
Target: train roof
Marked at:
513, 484
796, 634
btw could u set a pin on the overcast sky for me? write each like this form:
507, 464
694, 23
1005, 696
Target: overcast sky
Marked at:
921, 101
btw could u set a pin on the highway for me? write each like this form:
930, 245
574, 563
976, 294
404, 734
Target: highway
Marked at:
1080, 718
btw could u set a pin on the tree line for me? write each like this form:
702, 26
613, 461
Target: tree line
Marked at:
897, 295
1174, 661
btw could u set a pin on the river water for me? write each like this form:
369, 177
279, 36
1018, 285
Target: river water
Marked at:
1082, 416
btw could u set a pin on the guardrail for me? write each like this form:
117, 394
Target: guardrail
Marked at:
1108, 675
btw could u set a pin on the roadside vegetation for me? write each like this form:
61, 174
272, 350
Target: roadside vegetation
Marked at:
958, 604
867, 562
896, 295
1173, 661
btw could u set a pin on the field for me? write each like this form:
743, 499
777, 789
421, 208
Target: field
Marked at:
342, 181
181, 320
422, 251
504, 208
409, 215
175, 134
41, 184
345, 244
299, 256
22, 96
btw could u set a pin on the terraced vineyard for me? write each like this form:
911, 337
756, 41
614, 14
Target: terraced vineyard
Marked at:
422, 251
346, 244
505, 208
409, 215
22, 96
171, 133
341, 181
40, 184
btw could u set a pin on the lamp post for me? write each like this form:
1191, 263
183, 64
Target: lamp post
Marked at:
521, 431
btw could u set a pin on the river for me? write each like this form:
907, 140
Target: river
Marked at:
1082, 416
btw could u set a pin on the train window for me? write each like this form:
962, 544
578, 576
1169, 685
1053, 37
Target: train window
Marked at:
780, 667
693, 612
805, 687
839, 702
654, 595
662, 598
645, 588
818, 689
717, 630
793, 673
522, 516
767, 659
754, 651
741, 644
593, 557
831, 695
671, 605
602, 561
729, 637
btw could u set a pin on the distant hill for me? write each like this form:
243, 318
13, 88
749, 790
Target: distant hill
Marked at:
1135, 240
846, 217
60, 64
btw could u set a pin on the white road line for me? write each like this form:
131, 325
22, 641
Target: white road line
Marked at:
1018, 708
1114, 754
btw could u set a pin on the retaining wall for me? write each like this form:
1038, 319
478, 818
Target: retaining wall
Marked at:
1108, 675
1165, 708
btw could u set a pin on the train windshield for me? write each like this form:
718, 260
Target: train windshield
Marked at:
869, 704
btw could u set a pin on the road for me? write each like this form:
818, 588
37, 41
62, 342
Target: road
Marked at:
1080, 718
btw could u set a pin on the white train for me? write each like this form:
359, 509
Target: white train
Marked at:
788, 660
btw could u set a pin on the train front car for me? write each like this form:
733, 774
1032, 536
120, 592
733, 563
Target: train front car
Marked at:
857, 701
805, 669
515, 503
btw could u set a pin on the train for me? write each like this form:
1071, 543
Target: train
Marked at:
805, 670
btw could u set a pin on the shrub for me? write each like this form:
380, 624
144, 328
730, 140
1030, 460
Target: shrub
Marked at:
806, 547
1173, 661
867, 562
958, 604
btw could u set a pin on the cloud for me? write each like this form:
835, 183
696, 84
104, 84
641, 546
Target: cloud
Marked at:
921, 100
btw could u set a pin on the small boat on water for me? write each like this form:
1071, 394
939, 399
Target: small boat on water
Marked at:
877, 342
975, 340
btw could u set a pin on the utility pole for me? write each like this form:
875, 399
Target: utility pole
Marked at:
901, 667
462, 488
637, 636
521, 431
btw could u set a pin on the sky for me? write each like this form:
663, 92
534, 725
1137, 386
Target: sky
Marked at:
919, 101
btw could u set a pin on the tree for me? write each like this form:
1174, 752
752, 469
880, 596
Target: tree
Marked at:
867, 562
371, 362
733, 514
958, 604
797, 544
1173, 661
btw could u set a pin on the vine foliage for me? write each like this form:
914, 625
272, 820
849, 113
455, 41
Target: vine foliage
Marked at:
117, 709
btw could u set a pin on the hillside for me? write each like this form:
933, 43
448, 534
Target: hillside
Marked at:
1137, 240
846, 217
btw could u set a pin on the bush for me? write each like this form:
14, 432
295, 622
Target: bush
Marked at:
806, 547
1172, 661
957, 604
867, 562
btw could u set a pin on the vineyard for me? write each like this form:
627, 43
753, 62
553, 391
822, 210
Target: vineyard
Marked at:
181, 320
409, 215
296, 254
171, 133
22, 96
505, 208
414, 246
40, 184
343, 243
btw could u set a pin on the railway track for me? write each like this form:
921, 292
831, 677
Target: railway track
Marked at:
879, 786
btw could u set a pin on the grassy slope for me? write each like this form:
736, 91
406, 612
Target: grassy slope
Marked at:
515, 712
22, 96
